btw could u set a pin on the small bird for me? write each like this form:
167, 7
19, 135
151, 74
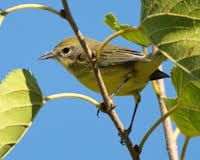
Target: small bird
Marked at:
124, 71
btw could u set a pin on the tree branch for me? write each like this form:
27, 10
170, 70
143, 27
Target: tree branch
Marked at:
170, 141
107, 100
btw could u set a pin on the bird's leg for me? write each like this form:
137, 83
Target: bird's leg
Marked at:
120, 86
115, 92
137, 98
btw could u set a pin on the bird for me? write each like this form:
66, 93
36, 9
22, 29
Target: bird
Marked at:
124, 71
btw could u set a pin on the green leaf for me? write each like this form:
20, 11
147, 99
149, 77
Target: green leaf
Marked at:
187, 118
135, 36
174, 27
20, 101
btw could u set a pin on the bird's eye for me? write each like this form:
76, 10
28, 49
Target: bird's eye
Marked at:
66, 50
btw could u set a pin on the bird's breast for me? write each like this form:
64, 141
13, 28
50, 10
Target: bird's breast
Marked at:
113, 76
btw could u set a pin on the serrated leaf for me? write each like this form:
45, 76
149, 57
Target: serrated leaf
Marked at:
134, 36
174, 27
20, 101
187, 118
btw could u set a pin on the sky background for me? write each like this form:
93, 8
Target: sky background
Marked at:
69, 128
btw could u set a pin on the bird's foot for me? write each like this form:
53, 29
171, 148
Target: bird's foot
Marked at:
104, 109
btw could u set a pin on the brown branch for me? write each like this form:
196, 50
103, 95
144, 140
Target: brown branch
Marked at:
132, 150
170, 141
107, 100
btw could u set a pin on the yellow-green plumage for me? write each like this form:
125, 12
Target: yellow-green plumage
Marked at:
116, 64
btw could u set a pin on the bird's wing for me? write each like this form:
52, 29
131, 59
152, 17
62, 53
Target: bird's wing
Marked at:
114, 55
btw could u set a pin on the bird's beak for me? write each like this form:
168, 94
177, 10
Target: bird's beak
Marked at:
47, 56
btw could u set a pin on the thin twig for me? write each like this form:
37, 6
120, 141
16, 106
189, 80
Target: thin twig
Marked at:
144, 50
36, 6
155, 125
184, 148
114, 35
107, 100
176, 133
73, 95
170, 141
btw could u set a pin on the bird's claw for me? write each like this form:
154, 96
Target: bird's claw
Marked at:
98, 111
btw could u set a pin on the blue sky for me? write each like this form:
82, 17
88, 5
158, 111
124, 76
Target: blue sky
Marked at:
69, 128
